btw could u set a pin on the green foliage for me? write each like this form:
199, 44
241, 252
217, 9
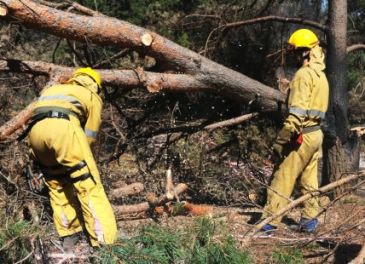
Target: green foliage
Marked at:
288, 256
153, 245
183, 40
156, 244
356, 87
208, 249
15, 241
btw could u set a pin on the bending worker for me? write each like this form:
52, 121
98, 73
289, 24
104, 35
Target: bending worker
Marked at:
298, 143
65, 121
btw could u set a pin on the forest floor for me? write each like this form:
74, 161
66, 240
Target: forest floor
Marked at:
329, 244
337, 240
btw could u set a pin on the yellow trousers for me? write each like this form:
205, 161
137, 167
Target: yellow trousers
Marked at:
301, 164
55, 142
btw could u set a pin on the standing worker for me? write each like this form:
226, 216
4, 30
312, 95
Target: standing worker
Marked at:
65, 121
298, 143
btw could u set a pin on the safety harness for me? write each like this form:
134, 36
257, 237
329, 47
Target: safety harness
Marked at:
47, 112
55, 112
69, 170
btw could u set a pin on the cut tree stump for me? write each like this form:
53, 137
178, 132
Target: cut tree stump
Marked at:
3, 10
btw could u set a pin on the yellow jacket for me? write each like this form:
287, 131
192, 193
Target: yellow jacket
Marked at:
79, 96
308, 94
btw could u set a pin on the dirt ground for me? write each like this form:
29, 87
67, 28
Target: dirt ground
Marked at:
337, 240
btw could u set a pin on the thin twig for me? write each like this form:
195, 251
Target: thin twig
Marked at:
116, 56
25, 258
264, 19
8, 180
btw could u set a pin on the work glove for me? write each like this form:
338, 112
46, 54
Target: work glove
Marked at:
284, 137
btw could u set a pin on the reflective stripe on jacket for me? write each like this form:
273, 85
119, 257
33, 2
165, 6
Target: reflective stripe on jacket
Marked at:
308, 94
80, 97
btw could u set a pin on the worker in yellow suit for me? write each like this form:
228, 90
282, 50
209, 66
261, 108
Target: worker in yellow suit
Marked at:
65, 121
299, 141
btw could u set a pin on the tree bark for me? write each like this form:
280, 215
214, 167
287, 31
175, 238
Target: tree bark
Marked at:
123, 79
105, 31
16, 123
127, 190
336, 134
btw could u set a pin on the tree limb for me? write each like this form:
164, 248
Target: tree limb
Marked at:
266, 19
355, 47
127, 190
277, 19
122, 79
249, 235
104, 30
142, 207
15, 123
230, 122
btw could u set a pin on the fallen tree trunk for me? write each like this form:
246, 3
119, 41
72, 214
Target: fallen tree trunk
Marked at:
105, 31
296, 202
143, 207
123, 79
127, 190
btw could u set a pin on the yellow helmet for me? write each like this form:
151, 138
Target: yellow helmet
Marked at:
89, 72
303, 38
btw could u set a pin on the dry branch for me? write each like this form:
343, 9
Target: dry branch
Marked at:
85, 10
15, 123
127, 190
262, 20
143, 207
277, 19
169, 185
359, 130
230, 122
103, 30
249, 235
355, 47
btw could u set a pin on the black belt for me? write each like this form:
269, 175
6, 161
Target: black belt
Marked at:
69, 170
38, 117
65, 176
310, 129
62, 178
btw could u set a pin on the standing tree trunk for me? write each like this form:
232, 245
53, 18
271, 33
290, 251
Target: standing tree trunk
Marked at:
338, 147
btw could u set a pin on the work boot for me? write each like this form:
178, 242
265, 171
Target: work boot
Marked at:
308, 225
268, 230
69, 242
